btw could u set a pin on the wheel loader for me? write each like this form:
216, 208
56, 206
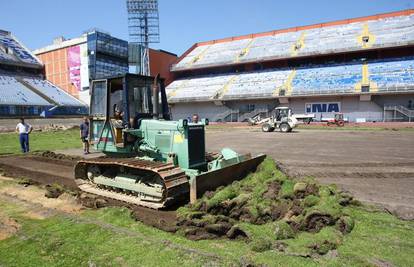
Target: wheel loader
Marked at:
282, 119
150, 160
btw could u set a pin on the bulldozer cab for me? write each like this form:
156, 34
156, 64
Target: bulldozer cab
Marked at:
121, 102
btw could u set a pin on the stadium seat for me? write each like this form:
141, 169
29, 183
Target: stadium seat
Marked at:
395, 75
384, 32
15, 93
20, 54
53, 92
198, 89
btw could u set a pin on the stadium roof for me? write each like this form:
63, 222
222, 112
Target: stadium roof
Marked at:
12, 52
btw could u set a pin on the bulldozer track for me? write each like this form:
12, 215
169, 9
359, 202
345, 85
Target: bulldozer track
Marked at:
174, 178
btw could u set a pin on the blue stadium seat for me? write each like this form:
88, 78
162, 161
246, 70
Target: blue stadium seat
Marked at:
18, 52
384, 32
15, 93
325, 80
392, 75
53, 92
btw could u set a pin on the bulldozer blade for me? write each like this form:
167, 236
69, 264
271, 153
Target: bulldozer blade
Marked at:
213, 179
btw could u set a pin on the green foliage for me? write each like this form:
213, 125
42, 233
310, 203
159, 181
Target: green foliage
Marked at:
24, 181
227, 193
261, 245
345, 224
324, 247
283, 230
110, 237
306, 243
310, 201
299, 187
287, 189
41, 141
328, 204
327, 190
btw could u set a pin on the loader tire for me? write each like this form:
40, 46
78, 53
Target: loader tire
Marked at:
285, 127
266, 127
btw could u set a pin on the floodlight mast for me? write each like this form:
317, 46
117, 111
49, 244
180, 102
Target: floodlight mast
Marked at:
143, 25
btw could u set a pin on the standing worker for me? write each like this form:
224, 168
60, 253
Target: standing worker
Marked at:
24, 129
194, 119
84, 135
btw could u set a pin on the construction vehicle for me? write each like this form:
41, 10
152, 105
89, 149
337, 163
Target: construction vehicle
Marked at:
337, 120
260, 118
281, 119
304, 118
150, 160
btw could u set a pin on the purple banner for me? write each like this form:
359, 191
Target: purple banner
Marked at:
74, 64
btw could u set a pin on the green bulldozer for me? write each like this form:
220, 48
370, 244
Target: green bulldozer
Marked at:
150, 160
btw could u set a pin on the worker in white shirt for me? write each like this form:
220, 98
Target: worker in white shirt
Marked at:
24, 129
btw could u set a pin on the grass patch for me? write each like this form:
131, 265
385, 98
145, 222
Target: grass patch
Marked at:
41, 141
269, 207
111, 237
61, 241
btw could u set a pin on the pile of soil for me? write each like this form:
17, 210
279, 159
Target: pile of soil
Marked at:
54, 190
264, 197
57, 156
162, 219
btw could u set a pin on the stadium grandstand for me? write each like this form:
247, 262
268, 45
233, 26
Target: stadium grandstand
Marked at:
23, 90
362, 67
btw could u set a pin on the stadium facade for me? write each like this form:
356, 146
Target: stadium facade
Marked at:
362, 67
73, 63
23, 89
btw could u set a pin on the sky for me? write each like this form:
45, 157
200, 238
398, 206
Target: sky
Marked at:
182, 22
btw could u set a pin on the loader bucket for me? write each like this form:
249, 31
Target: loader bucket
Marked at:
211, 180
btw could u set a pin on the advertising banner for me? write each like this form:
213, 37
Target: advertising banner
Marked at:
84, 67
74, 64
323, 107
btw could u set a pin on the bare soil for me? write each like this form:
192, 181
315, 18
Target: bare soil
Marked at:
8, 226
40, 169
377, 167
48, 170
65, 202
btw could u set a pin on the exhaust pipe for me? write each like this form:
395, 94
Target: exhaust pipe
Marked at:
155, 98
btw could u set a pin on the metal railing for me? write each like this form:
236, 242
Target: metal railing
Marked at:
401, 110
252, 113
222, 116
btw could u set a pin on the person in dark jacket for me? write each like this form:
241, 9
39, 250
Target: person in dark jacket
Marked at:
84, 135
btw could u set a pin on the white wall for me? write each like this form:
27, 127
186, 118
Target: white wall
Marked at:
351, 106
203, 109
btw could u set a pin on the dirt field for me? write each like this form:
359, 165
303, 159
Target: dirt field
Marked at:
9, 125
376, 166
45, 170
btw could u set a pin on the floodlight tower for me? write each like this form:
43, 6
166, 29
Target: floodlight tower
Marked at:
143, 25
